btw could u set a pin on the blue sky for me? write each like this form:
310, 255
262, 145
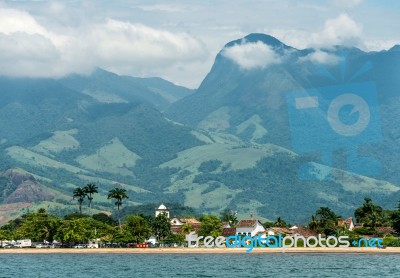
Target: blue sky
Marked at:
176, 40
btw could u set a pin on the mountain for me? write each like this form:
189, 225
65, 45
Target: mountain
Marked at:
65, 137
253, 102
108, 87
243, 140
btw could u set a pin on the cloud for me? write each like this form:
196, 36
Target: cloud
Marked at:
251, 55
341, 30
29, 49
321, 57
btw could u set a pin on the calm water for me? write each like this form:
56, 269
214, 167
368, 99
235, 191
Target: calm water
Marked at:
218, 265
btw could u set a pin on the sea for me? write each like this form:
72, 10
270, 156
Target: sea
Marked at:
199, 265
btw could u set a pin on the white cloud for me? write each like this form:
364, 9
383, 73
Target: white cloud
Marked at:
321, 57
251, 55
152, 38
342, 30
29, 49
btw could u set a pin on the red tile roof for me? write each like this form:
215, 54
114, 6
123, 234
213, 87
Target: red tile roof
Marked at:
228, 232
246, 223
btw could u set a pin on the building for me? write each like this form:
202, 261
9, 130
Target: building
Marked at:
250, 228
162, 209
177, 224
348, 223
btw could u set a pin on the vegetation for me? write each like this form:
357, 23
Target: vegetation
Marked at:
80, 228
79, 194
370, 214
90, 189
211, 225
229, 216
118, 194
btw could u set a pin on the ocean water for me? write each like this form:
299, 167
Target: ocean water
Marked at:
199, 265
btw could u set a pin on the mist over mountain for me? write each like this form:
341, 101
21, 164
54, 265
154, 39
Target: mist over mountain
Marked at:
230, 143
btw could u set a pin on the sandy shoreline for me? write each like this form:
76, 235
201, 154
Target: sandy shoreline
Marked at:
389, 250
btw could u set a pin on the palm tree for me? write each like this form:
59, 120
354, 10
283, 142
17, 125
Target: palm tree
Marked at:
118, 194
229, 216
80, 194
90, 189
186, 228
280, 222
313, 224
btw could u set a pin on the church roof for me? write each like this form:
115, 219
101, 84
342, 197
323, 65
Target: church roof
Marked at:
162, 207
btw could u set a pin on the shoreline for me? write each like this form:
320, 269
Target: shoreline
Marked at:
354, 250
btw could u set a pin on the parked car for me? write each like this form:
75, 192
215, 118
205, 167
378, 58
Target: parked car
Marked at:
9, 246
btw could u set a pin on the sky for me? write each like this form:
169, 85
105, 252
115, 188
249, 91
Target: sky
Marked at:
177, 40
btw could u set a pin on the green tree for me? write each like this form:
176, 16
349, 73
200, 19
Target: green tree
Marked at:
268, 224
161, 226
211, 225
229, 216
79, 194
90, 189
396, 219
370, 214
118, 194
137, 228
280, 223
73, 231
186, 228
38, 226
327, 220
313, 224
104, 218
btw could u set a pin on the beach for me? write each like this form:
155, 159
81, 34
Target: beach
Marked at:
388, 250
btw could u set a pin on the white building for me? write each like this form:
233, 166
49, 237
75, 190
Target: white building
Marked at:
162, 209
250, 228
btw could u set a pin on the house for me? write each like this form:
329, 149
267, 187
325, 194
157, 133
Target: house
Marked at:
227, 232
347, 223
303, 231
162, 209
384, 231
250, 228
177, 223
278, 230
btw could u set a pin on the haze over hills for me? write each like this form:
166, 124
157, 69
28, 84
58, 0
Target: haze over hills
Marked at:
228, 144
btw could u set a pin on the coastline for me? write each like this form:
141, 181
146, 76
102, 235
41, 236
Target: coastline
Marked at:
362, 250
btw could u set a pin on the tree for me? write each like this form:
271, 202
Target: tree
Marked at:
327, 220
313, 224
90, 189
186, 228
229, 216
370, 214
161, 226
38, 226
80, 194
104, 218
280, 223
211, 225
118, 194
137, 228
268, 224
396, 219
